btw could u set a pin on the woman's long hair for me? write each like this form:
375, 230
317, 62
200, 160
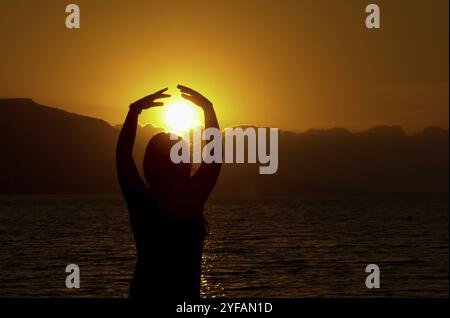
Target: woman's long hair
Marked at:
160, 170
158, 167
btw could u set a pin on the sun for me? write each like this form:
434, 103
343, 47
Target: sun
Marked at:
180, 116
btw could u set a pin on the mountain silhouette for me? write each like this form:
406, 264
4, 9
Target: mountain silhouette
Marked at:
47, 150
382, 159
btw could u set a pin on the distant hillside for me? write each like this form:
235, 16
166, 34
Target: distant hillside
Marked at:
46, 150
382, 159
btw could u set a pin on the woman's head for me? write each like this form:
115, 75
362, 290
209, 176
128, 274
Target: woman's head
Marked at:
158, 167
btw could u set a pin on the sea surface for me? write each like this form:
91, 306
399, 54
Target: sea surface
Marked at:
312, 246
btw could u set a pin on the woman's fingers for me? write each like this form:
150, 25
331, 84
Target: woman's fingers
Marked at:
149, 101
158, 94
152, 97
162, 96
185, 89
189, 97
161, 91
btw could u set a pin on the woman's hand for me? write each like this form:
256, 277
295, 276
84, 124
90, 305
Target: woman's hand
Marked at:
149, 101
194, 96
200, 100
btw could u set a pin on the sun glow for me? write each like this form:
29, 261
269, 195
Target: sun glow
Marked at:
180, 116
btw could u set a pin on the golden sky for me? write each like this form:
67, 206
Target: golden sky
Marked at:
288, 64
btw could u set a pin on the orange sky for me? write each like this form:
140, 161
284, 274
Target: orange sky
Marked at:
287, 64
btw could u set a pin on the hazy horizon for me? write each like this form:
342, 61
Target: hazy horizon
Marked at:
303, 130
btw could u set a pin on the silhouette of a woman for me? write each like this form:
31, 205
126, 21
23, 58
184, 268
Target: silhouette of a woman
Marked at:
166, 214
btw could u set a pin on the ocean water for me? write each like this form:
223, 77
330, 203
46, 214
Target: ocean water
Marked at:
304, 247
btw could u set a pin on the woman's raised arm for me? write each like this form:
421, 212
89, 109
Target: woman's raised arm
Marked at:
129, 178
207, 174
